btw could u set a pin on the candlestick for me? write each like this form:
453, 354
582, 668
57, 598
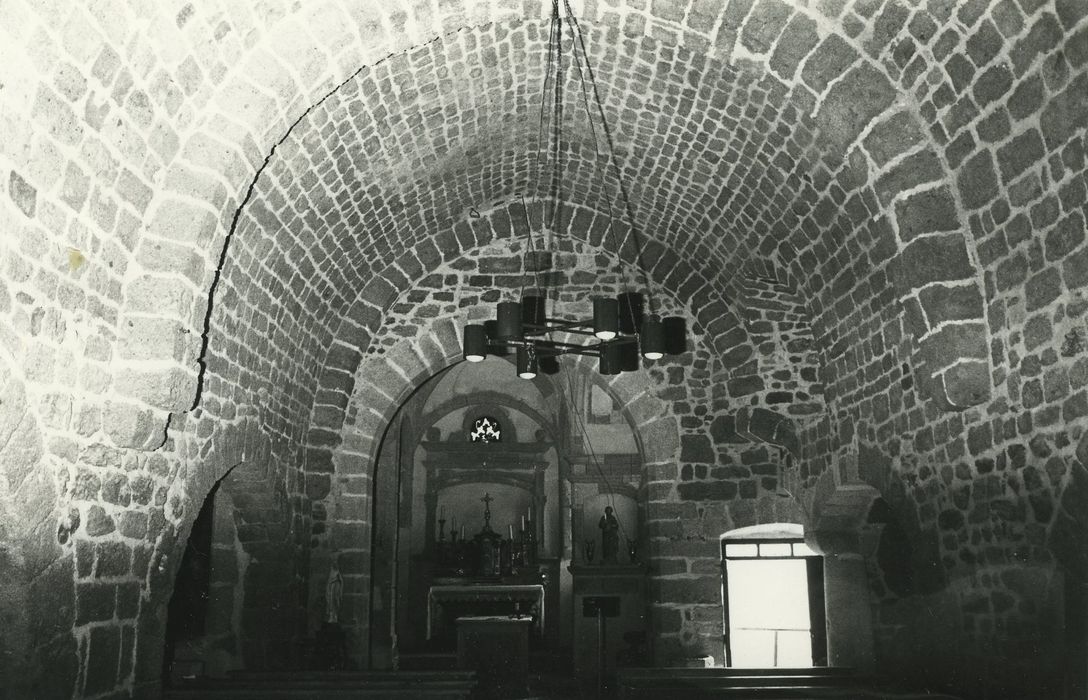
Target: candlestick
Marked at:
462, 533
523, 523
530, 512
510, 531
442, 511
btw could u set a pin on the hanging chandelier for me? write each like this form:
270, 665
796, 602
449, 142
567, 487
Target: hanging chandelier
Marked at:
623, 326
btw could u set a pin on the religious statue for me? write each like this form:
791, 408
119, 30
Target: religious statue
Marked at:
330, 650
334, 590
610, 537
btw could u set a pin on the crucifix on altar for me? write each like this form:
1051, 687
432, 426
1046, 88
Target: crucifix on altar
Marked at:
489, 543
487, 511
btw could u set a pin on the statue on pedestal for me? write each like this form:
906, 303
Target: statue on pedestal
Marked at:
334, 591
330, 652
610, 537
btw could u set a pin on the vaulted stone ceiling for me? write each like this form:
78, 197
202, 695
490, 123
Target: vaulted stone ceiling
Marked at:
724, 160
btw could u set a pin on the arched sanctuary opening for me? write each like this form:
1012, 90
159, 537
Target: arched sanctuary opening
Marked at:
400, 366
490, 497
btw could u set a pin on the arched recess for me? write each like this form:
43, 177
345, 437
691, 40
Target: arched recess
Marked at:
37, 594
869, 198
269, 612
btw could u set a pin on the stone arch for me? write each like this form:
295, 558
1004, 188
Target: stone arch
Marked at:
761, 424
644, 409
756, 424
890, 168
240, 463
303, 55
874, 514
361, 329
765, 531
382, 382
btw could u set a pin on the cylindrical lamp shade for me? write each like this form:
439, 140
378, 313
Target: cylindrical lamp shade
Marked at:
605, 318
652, 339
527, 364
631, 305
491, 328
474, 343
532, 310
611, 359
509, 320
628, 356
676, 334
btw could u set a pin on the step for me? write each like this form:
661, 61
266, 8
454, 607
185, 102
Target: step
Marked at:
313, 685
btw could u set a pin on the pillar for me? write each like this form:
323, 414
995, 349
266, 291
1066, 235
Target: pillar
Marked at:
849, 613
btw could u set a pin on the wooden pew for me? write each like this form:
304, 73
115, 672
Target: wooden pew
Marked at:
315, 685
819, 683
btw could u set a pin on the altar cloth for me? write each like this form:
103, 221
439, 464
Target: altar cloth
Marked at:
533, 594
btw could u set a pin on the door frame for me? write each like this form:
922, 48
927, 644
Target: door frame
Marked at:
814, 570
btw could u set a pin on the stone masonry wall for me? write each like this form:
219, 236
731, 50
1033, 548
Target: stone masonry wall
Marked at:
973, 480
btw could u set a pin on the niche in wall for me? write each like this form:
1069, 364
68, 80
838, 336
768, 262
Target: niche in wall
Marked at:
462, 505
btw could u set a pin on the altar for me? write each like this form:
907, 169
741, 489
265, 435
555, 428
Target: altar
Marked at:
445, 603
497, 649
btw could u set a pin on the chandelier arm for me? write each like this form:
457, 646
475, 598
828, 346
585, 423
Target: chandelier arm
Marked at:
562, 324
552, 48
578, 61
530, 249
578, 326
576, 329
557, 347
556, 189
549, 347
624, 195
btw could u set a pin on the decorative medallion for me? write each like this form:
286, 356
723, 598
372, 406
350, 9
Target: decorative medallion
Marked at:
486, 429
